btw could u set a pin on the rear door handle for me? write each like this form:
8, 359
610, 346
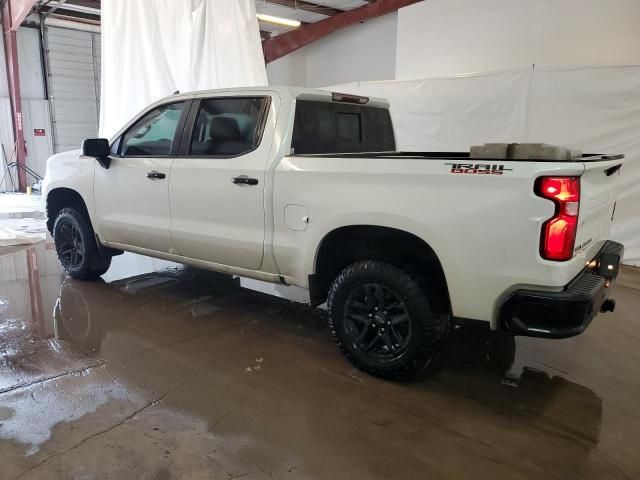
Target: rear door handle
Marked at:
155, 175
244, 180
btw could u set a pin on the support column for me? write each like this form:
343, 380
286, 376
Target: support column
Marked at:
13, 13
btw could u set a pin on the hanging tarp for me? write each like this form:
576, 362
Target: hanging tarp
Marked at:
595, 109
151, 48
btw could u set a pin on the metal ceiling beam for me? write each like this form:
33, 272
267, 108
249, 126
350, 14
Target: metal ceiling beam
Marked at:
307, 6
285, 43
70, 7
13, 14
87, 3
19, 9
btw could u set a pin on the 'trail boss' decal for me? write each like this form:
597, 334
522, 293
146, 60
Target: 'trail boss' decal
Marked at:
478, 168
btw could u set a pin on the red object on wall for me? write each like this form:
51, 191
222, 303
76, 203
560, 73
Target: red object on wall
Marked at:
38, 132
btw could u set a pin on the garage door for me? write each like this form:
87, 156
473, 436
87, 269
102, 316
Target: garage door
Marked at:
73, 60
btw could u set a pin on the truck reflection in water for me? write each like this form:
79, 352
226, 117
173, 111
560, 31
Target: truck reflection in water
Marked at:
156, 309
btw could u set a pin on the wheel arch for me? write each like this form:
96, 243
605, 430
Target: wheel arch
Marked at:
63, 197
345, 245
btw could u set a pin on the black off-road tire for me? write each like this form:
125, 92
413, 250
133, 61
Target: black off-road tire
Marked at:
89, 263
430, 329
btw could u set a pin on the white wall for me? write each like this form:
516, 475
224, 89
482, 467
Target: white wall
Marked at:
30, 63
448, 37
4, 86
6, 126
290, 69
35, 108
365, 51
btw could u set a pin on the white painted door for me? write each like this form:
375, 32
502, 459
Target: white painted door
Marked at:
132, 195
217, 187
37, 135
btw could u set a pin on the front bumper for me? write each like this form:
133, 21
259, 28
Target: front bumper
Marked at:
536, 313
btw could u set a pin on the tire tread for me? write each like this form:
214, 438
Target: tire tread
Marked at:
435, 326
95, 264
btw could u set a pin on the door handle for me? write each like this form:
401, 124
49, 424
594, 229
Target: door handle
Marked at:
155, 175
244, 180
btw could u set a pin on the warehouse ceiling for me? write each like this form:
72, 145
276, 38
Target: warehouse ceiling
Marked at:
303, 11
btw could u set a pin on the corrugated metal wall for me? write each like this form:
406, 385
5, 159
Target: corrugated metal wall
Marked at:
6, 130
35, 109
73, 58
4, 88
6, 139
35, 106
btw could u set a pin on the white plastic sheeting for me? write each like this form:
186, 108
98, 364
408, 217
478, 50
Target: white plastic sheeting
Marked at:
22, 231
152, 48
596, 109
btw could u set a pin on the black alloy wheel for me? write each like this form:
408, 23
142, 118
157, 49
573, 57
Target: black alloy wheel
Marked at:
377, 321
70, 245
387, 322
76, 246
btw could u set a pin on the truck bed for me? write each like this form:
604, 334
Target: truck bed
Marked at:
586, 157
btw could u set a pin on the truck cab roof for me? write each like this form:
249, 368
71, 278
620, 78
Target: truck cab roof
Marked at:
284, 91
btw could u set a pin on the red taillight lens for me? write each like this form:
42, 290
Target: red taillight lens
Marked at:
346, 98
559, 232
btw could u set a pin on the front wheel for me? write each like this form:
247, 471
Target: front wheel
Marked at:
76, 246
384, 321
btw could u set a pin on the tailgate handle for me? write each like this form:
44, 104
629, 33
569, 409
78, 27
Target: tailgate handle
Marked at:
611, 170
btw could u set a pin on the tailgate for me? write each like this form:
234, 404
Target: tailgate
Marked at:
598, 194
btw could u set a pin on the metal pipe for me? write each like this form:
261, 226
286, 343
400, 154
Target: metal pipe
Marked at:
73, 8
64, 21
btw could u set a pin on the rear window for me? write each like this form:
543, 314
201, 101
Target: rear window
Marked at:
330, 127
228, 126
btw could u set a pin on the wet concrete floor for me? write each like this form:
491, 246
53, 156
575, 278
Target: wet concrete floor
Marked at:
161, 371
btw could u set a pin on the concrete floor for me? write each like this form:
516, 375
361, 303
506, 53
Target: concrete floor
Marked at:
161, 371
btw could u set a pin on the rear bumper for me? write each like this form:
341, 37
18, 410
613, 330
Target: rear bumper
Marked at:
566, 313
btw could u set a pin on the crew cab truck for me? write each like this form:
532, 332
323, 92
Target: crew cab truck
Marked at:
305, 187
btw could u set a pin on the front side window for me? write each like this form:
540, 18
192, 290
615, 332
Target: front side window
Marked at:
228, 126
154, 133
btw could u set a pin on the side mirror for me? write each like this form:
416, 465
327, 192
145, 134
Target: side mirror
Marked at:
97, 148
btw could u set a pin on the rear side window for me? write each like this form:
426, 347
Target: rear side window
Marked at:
331, 127
228, 126
153, 134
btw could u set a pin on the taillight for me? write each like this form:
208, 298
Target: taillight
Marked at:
346, 98
559, 232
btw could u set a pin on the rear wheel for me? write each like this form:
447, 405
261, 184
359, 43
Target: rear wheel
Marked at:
384, 321
76, 246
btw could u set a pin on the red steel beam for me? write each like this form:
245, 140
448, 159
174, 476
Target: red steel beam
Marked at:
285, 43
13, 14
19, 11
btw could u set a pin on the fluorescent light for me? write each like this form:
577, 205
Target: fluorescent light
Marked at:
285, 22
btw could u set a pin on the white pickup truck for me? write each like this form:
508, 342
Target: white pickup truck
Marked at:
279, 184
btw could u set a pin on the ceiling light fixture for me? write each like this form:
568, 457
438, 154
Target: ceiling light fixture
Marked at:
285, 22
